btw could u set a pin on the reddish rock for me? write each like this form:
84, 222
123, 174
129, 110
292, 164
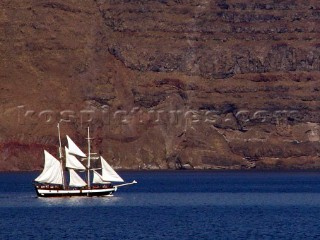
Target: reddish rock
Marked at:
163, 84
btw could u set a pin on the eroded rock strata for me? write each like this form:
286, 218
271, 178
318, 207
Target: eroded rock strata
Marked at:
164, 84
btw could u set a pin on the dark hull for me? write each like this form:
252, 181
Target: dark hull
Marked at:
75, 192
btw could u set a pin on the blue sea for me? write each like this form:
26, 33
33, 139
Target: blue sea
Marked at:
169, 205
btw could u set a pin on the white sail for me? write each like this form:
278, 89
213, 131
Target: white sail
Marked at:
72, 161
108, 174
52, 172
75, 179
74, 149
97, 178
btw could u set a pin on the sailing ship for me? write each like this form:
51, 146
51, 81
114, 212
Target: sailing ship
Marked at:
52, 181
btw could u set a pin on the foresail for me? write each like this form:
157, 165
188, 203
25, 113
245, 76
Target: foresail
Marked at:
97, 178
108, 174
74, 149
72, 161
52, 172
75, 179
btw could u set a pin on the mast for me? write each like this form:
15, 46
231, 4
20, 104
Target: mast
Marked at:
88, 164
60, 147
60, 157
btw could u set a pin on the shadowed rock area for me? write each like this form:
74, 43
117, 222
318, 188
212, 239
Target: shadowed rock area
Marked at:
167, 84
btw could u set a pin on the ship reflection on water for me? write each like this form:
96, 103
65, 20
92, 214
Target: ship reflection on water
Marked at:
78, 201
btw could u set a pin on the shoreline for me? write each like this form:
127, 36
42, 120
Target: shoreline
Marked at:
194, 170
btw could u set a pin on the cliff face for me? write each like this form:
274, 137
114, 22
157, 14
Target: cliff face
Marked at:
163, 84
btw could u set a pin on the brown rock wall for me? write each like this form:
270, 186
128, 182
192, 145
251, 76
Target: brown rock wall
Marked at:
225, 84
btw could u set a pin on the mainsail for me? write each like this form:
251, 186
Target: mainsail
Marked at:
108, 174
75, 179
74, 149
52, 172
72, 161
97, 178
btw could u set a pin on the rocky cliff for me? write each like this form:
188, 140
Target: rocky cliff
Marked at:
221, 84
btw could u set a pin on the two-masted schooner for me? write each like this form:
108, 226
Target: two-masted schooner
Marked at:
52, 182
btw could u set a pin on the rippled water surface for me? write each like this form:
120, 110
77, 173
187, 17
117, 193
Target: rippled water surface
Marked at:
169, 205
